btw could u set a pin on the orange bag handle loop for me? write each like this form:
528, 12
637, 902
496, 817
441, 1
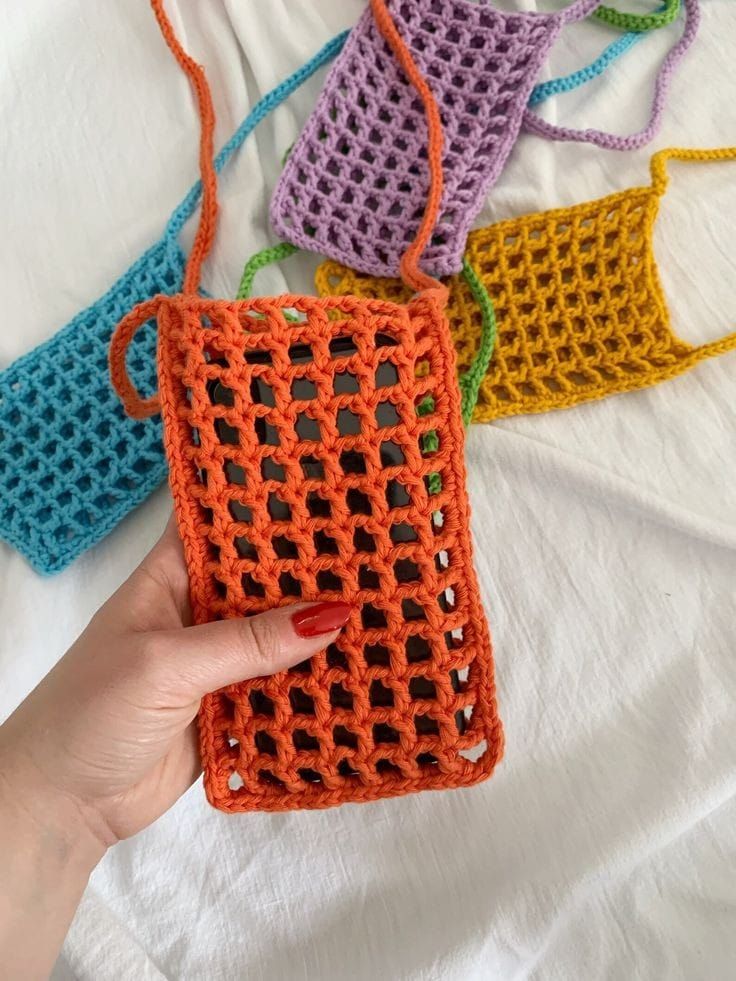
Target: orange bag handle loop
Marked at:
134, 404
413, 276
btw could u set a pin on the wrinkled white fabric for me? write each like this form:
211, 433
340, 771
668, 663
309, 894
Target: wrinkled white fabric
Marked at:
605, 537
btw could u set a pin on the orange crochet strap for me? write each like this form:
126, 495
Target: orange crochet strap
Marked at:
579, 306
323, 458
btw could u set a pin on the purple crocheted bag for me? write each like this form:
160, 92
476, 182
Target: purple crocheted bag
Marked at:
355, 183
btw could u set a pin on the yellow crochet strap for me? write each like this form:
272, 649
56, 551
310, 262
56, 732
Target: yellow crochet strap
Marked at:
658, 165
660, 179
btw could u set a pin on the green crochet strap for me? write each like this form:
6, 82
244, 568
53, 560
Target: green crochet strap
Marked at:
470, 381
266, 257
640, 22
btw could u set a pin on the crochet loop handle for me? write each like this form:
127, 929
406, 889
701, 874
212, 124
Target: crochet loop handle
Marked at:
141, 408
658, 164
471, 380
617, 48
533, 123
660, 179
135, 406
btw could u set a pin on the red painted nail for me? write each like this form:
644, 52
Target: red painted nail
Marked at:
321, 618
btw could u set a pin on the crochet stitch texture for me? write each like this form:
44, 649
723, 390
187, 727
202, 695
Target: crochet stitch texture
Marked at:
354, 184
72, 464
323, 457
579, 306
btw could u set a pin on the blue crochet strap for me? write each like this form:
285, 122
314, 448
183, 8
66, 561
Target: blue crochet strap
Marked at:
72, 464
567, 83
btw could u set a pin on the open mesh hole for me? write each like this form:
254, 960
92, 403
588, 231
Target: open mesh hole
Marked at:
336, 658
301, 702
346, 383
358, 502
262, 394
345, 769
385, 733
364, 541
426, 726
377, 655
284, 548
245, 548
372, 617
240, 512
352, 462
304, 740
278, 509
380, 696
324, 544
260, 703
289, 585
340, 697
407, 570
368, 578
265, 743
411, 610
327, 581
421, 687
251, 586
317, 506
418, 649
312, 467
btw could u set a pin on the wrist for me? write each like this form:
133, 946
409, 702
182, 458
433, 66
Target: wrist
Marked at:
40, 819
47, 855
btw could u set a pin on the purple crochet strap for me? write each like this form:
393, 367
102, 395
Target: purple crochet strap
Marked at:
532, 123
577, 11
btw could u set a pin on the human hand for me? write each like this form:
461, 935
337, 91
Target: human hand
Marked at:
107, 742
111, 727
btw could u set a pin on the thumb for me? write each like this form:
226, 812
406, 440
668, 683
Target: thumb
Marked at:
213, 655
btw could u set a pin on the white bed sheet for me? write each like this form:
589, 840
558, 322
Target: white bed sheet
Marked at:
605, 536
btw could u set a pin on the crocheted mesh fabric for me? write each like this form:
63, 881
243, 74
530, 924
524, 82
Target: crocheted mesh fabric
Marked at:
324, 459
354, 186
579, 306
71, 462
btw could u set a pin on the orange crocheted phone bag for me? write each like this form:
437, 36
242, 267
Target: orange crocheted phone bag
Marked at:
322, 457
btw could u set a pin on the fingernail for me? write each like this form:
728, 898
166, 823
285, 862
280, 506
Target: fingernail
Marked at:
321, 618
